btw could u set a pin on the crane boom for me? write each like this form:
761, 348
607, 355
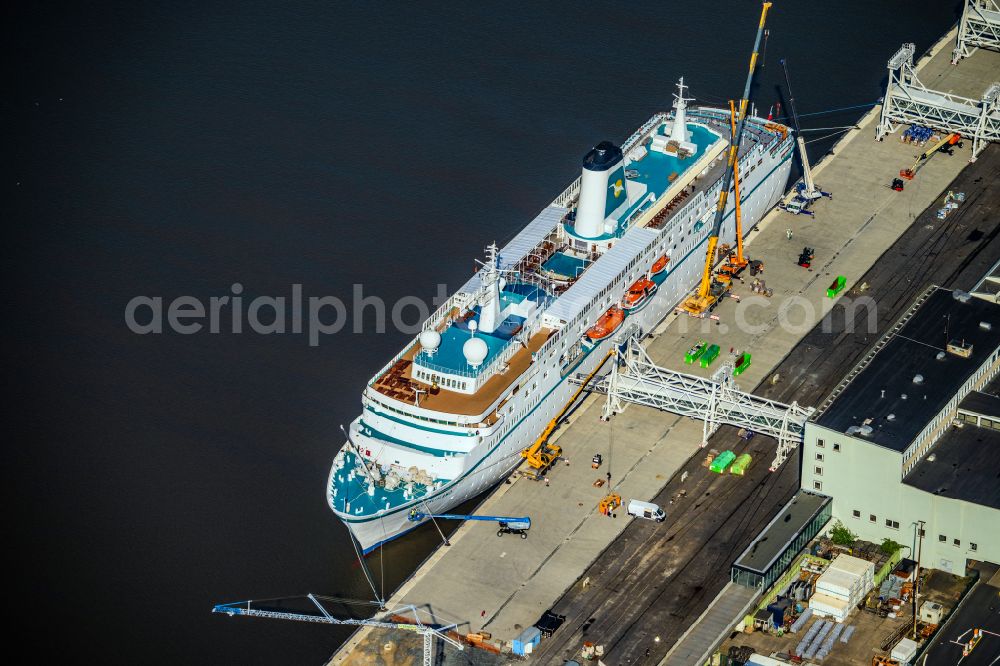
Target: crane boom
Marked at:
734, 265
947, 140
522, 523
703, 298
740, 261
807, 178
541, 455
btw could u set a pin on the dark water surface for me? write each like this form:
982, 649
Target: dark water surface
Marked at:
171, 149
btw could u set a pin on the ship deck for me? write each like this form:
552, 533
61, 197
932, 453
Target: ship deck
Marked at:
398, 383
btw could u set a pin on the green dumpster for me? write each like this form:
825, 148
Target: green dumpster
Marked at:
741, 464
709, 356
836, 287
722, 462
695, 352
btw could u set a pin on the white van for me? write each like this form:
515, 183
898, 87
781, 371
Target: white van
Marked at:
646, 510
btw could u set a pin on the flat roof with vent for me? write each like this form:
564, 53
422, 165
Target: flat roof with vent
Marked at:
962, 465
894, 394
791, 521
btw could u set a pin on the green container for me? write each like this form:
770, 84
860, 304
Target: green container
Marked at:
695, 352
837, 286
722, 462
741, 464
742, 363
709, 356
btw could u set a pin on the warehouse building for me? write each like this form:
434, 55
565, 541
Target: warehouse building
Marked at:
912, 435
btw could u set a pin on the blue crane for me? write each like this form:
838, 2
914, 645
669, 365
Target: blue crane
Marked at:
508, 525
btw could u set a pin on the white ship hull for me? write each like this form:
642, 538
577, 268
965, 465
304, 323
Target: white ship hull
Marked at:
474, 463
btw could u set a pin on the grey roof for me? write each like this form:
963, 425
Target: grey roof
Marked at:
984, 404
601, 273
877, 391
978, 610
964, 466
523, 242
783, 528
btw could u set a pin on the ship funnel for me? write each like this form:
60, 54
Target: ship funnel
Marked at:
602, 189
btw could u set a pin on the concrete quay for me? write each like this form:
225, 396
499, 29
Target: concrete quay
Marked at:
503, 585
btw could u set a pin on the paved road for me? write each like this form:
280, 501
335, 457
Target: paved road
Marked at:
653, 581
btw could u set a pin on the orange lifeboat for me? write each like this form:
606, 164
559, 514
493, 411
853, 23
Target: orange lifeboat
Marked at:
607, 324
659, 265
638, 294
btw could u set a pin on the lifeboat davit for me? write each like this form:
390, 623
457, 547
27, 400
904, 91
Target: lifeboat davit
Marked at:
659, 265
607, 324
638, 294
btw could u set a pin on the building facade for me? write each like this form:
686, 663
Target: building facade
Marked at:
912, 437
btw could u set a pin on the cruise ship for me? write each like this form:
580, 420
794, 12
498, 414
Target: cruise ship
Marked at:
447, 418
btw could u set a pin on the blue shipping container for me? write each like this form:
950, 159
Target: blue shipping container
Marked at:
530, 636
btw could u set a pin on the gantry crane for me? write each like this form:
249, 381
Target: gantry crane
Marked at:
542, 455
709, 290
508, 525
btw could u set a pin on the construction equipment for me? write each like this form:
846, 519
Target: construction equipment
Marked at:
337, 611
710, 290
734, 264
508, 525
542, 455
806, 257
760, 288
879, 660
806, 191
897, 184
944, 145
609, 503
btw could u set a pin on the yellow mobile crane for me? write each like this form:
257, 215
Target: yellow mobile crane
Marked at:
735, 264
710, 290
542, 455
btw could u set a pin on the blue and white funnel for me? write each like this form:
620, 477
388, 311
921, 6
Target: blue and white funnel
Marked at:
602, 189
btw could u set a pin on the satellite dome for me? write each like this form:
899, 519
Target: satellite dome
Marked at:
475, 351
430, 341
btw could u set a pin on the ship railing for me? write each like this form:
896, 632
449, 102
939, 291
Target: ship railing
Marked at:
385, 368
455, 300
640, 134
569, 194
507, 351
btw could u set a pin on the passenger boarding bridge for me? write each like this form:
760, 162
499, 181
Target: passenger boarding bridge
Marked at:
908, 102
717, 401
979, 28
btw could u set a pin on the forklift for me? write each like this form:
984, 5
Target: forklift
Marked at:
806, 257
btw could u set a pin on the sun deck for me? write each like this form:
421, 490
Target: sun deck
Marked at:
398, 383
652, 174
